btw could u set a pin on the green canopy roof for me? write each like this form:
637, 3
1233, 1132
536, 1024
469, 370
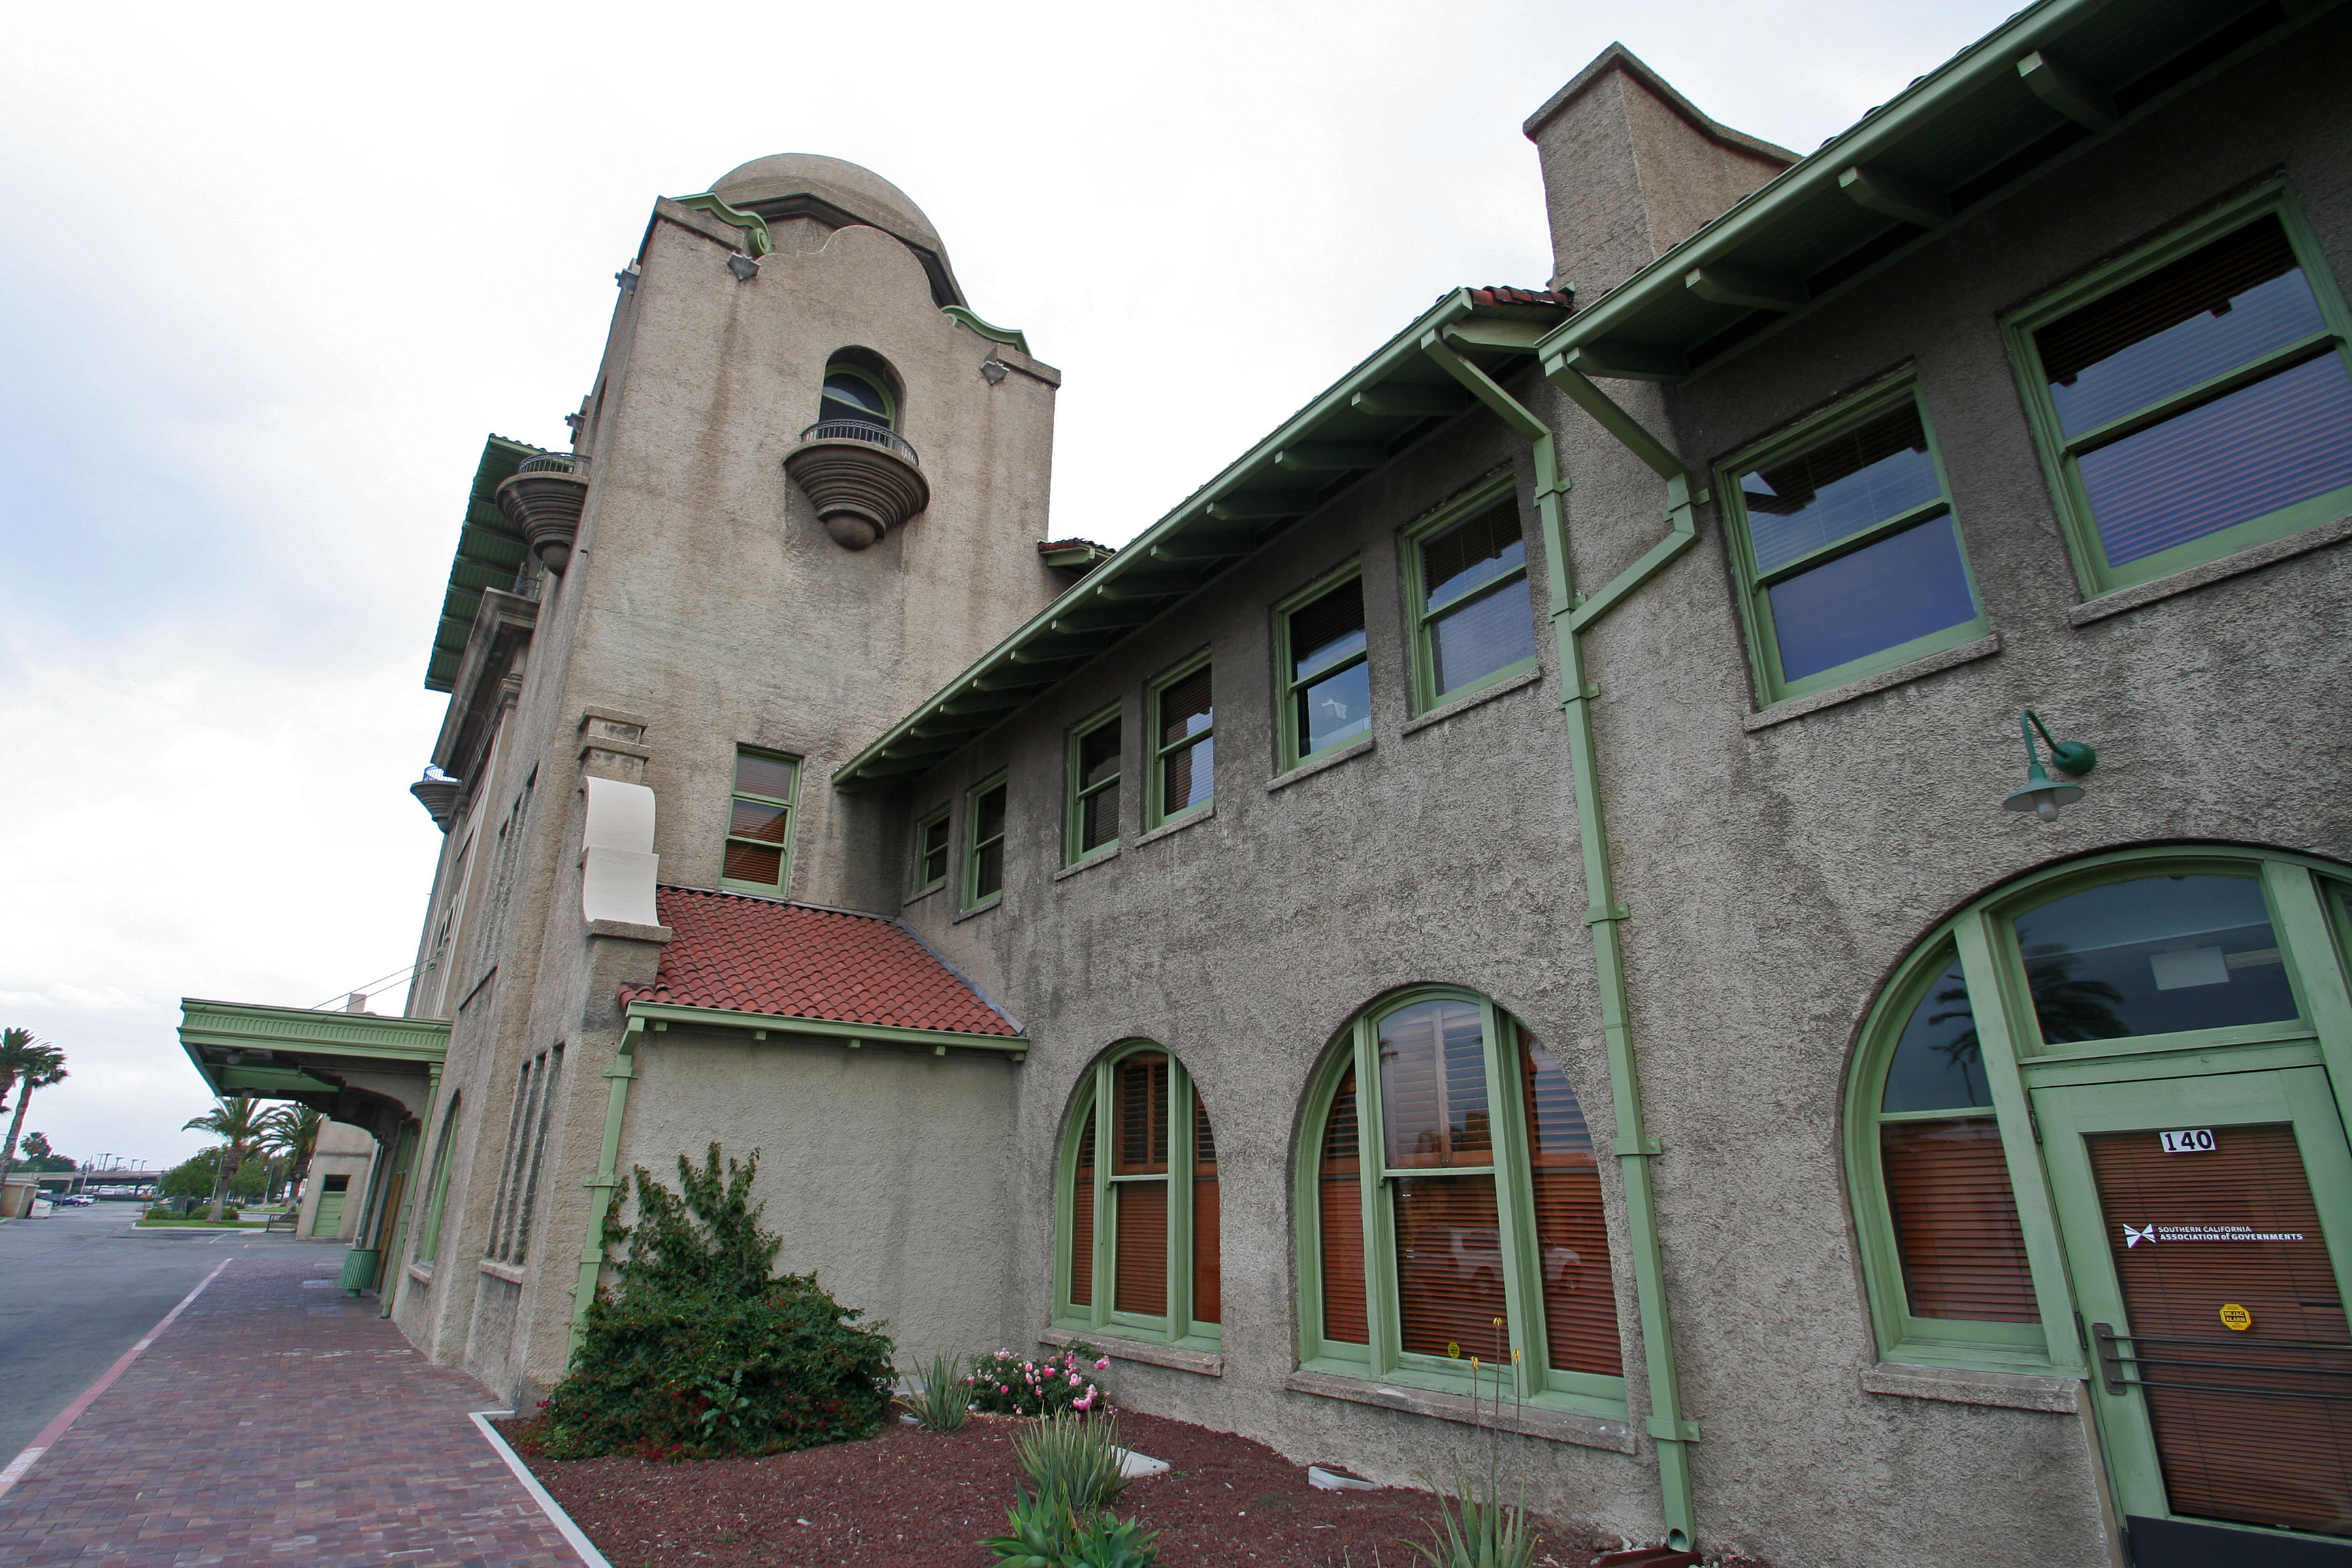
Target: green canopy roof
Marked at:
489, 553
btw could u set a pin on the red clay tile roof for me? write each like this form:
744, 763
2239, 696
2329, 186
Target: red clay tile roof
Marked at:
1046, 544
758, 955
1564, 298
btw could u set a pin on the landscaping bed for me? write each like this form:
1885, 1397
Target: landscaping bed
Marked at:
912, 1497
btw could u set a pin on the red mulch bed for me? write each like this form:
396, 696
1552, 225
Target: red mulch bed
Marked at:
914, 1498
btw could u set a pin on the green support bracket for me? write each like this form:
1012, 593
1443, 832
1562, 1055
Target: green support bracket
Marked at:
1636, 1148
1593, 917
755, 228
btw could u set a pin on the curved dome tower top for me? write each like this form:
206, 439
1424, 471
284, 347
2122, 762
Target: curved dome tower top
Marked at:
836, 194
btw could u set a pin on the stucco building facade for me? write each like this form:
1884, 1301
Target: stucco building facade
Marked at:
1515, 864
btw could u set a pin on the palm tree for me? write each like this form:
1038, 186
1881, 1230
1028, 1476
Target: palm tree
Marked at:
292, 1132
26, 1065
237, 1123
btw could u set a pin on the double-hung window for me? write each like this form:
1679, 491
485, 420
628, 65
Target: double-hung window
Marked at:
1467, 579
1183, 745
984, 843
1092, 824
2195, 400
1138, 1205
1326, 685
1849, 556
760, 823
932, 852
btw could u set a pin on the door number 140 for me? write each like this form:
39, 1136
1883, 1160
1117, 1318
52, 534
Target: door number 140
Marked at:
2197, 1141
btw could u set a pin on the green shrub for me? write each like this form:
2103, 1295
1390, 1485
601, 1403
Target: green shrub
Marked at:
698, 1353
1048, 1534
1075, 1461
944, 1402
1004, 1384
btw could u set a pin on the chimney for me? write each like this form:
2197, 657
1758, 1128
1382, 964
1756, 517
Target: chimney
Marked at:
357, 1002
1631, 168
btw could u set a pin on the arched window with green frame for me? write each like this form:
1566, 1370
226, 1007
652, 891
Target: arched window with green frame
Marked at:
856, 394
2147, 965
1137, 1206
1449, 1205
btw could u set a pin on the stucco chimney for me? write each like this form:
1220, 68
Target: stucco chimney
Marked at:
1631, 168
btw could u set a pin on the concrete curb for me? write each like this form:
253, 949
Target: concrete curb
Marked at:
573, 1536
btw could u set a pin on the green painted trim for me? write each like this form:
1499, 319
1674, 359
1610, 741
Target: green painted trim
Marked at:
2058, 452
1421, 617
1287, 688
1669, 1427
1754, 584
1155, 803
1009, 335
754, 226
940, 818
1076, 792
791, 806
490, 555
601, 1186
661, 1013
1093, 1097
973, 898
363, 1040
1534, 1381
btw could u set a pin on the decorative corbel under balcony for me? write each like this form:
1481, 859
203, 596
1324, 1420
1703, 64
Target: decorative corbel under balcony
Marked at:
542, 501
863, 480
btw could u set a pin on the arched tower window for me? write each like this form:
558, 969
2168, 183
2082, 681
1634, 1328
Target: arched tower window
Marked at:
1137, 1204
1449, 1206
856, 394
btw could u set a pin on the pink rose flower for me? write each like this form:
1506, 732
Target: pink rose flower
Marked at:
1103, 1365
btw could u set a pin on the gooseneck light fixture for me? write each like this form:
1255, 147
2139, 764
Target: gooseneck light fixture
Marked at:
2042, 794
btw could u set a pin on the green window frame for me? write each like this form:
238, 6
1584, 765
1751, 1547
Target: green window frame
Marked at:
1981, 946
1524, 1363
1095, 765
1182, 725
2063, 453
932, 852
1768, 562
1464, 598
761, 814
1331, 679
983, 835
1094, 1179
879, 406
428, 1240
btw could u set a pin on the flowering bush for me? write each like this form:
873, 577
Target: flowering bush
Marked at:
1004, 1384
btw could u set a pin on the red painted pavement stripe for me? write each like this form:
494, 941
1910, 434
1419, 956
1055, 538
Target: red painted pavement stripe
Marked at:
72, 1412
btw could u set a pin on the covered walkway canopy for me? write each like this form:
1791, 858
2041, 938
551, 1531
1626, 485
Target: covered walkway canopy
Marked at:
355, 1067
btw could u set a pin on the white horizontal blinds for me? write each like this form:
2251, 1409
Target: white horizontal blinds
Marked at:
1475, 599
1097, 784
758, 823
1580, 1292
1140, 1150
1208, 1278
1082, 1218
1435, 1115
1955, 1226
1186, 742
1331, 693
1340, 1210
2169, 443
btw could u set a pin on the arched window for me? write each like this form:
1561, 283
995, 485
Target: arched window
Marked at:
1137, 1208
2046, 996
857, 397
1447, 1180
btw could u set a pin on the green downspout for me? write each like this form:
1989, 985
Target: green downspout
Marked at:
622, 1073
1570, 615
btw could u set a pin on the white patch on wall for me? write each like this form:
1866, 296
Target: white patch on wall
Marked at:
2180, 969
617, 863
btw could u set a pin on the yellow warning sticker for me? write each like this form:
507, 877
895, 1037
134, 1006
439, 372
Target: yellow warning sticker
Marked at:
2233, 1316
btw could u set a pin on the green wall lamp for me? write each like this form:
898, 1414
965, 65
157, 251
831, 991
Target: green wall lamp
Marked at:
2042, 794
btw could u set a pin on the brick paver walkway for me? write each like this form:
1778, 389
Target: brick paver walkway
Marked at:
284, 1424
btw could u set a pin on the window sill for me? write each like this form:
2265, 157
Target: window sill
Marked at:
992, 901
1958, 1386
1441, 713
911, 900
1093, 860
629, 930
1555, 1426
1310, 769
1208, 1363
421, 1272
2253, 559
512, 1273
1984, 646
1178, 824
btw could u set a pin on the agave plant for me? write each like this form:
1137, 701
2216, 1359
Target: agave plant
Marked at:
944, 1402
1477, 1530
1075, 1461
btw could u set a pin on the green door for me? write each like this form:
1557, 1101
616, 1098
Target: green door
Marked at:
329, 1220
2198, 1215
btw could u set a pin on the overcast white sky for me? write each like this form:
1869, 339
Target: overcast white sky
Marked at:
270, 273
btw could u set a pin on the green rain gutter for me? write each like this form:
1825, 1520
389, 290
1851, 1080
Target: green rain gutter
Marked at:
1570, 615
622, 1073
